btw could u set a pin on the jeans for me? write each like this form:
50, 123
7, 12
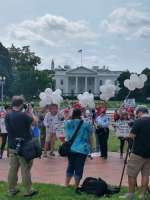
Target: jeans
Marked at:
76, 163
103, 136
15, 162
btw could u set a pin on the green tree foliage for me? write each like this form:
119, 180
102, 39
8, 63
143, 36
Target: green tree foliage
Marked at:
146, 89
138, 94
5, 68
27, 80
123, 90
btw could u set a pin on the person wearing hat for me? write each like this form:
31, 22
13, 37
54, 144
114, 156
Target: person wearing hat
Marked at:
102, 131
140, 157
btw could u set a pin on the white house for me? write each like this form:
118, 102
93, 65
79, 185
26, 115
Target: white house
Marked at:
81, 79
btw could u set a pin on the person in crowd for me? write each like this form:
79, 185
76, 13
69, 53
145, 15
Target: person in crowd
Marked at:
3, 131
18, 125
102, 131
67, 113
97, 148
87, 117
116, 115
80, 148
140, 158
122, 130
51, 121
42, 128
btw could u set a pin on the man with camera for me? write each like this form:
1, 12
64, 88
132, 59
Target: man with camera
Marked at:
18, 125
140, 157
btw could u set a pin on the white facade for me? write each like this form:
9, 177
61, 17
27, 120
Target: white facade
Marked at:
81, 79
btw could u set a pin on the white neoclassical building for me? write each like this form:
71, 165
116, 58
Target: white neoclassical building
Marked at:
81, 79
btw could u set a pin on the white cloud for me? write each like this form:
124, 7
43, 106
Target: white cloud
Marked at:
129, 22
50, 30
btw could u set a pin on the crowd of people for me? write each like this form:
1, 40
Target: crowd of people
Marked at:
52, 123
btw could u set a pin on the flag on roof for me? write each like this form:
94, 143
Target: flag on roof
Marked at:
80, 50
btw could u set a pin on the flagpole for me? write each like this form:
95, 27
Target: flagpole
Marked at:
81, 55
81, 59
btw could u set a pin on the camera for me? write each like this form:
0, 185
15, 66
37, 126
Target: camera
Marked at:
18, 145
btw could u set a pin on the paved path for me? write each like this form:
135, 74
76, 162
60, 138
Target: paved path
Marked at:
52, 170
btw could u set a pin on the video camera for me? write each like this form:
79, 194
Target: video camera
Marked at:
19, 142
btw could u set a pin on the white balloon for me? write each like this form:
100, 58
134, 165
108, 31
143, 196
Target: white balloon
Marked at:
143, 77
134, 77
79, 96
58, 91
131, 86
85, 93
48, 91
140, 84
42, 95
126, 83
42, 104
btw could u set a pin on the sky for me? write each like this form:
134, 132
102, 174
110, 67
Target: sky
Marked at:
114, 33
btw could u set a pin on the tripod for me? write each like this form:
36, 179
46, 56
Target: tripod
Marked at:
124, 166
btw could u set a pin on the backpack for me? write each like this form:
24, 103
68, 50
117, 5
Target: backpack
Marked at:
95, 186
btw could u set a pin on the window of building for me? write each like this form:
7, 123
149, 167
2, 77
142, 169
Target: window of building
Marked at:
101, 82
61, 82
72, 92
116, 82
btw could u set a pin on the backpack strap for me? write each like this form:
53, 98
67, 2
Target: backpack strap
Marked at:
75, 133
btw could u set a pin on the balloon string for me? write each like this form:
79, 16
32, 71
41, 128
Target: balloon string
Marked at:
125, 99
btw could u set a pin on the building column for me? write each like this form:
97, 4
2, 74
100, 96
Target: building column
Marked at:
76, 88
66, 86
95, 85
86, 84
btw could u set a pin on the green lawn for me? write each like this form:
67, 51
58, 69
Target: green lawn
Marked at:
51, 192
55, 192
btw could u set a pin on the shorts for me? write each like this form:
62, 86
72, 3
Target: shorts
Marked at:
75, 167
138, 164
48, 136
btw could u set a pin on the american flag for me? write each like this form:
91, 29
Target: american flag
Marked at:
80, 51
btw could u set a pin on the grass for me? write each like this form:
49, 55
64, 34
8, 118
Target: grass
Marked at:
56, 192
52, 192
113, 142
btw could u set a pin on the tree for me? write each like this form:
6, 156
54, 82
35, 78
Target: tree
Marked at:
146, 89
123, 90
27, 80
5, 68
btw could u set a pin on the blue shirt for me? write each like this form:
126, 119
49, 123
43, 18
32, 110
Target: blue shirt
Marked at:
35, 131
103, 121
81, 143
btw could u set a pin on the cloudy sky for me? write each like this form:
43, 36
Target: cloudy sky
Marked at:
115, 33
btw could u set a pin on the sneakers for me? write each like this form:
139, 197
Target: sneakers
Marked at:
12, 193
31, 193
128, 196
45, 155
142, 196
51, 153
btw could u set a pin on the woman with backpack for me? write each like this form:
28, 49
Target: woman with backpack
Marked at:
80, 148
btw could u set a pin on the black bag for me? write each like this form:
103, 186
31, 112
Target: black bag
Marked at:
30, 150
65, 148
94, 186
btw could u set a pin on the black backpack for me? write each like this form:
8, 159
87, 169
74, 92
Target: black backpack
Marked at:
95, 186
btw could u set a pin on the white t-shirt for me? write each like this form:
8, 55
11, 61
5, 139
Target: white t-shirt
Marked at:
51, 122
2, 125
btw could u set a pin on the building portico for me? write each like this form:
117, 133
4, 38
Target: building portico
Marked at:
81, 79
